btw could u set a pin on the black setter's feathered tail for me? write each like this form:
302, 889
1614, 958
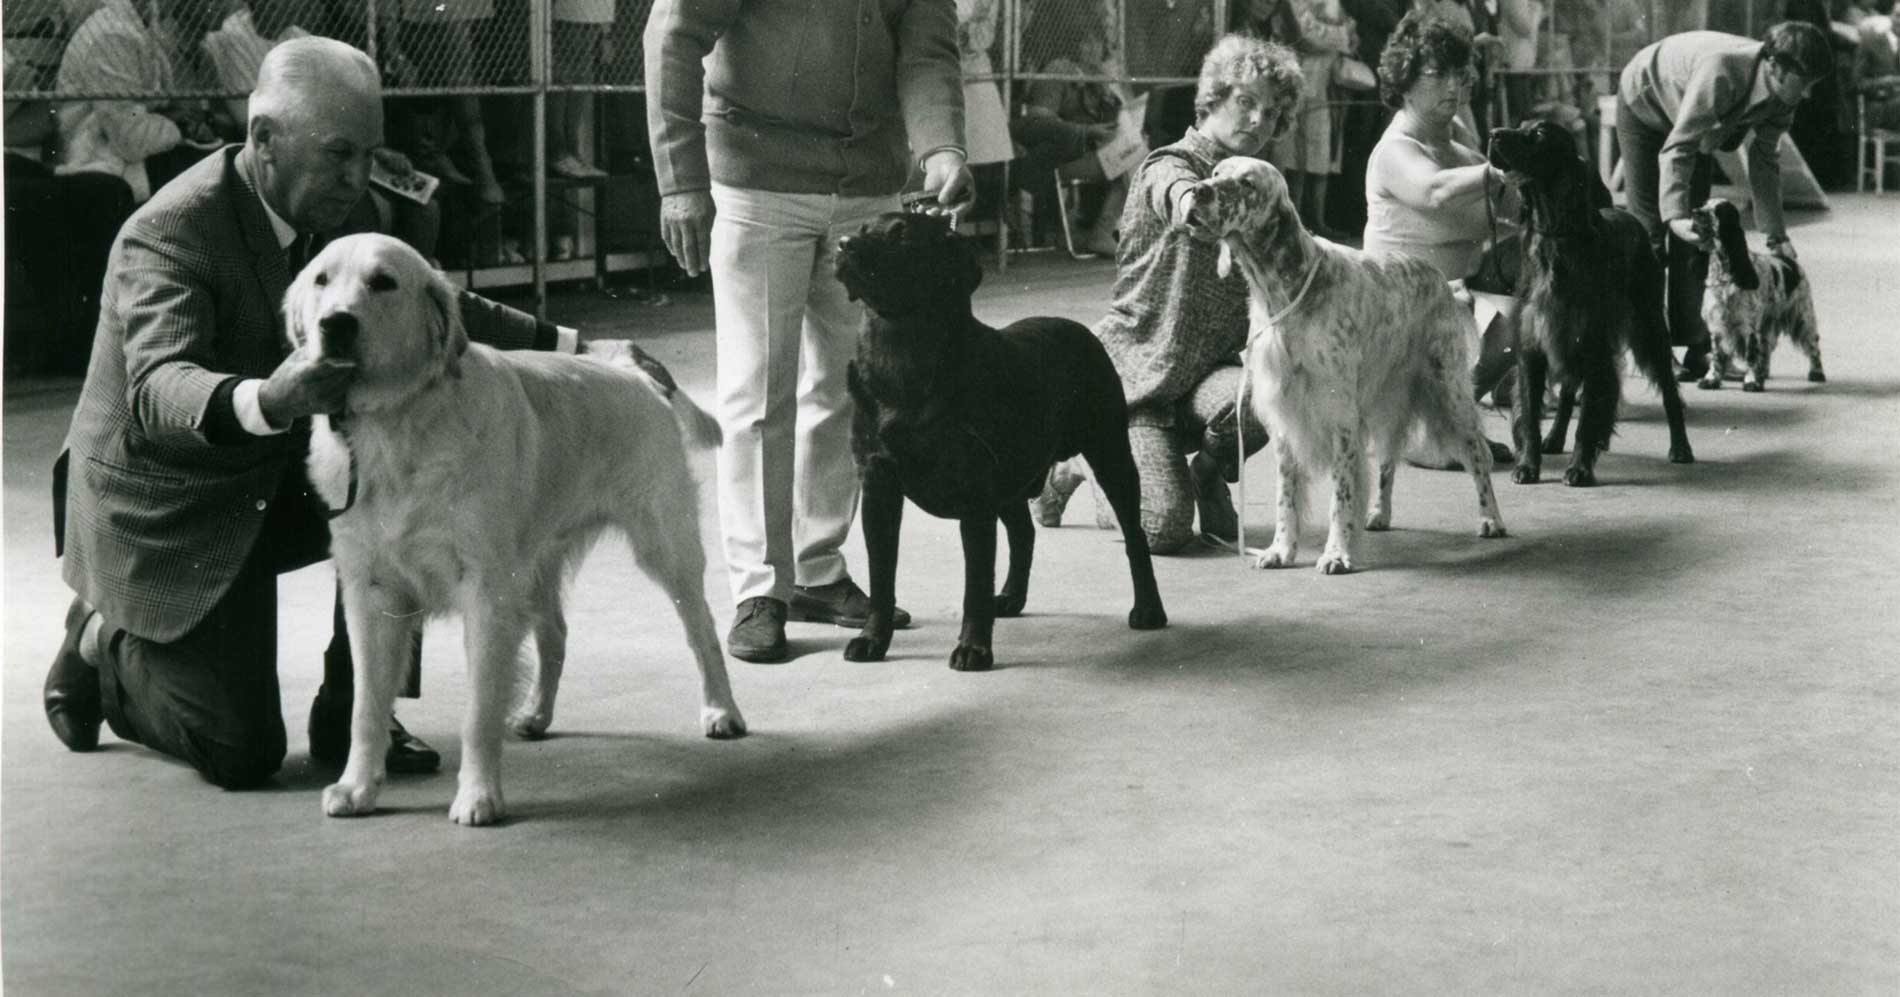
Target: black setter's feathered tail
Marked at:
1593, 288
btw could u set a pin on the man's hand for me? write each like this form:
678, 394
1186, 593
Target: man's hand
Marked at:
946, 176
301, 386
1102, 134
686, 220
1684, 229
1780, 246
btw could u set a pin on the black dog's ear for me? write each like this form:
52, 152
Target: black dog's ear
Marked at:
1733, 246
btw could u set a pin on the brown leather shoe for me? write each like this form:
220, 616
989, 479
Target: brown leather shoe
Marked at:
73, 706
842, 602
758, 631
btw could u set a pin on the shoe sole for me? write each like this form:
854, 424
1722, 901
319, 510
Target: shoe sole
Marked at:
760, 657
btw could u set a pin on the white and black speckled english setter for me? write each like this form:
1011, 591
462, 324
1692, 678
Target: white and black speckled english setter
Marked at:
1346, 349
1750, 300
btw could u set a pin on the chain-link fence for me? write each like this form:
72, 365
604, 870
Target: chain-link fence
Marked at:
522, 105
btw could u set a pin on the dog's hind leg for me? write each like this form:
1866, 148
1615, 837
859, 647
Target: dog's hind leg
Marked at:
1453, 419
880, 516
1349, 503
1806, 333
1649, 342
494, 623
675, 561
1022, 550
1285, 547
1113, 467
534, 713
1553, 442
381, 626
1532, 365
1380, 518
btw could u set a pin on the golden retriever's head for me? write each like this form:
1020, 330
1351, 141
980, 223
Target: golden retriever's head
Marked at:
373, 300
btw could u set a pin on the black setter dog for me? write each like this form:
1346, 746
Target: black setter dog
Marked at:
1593, 288
965, 420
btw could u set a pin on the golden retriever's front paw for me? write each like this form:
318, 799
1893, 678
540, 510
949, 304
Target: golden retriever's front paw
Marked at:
477, 805
722, 723
531, 723
1276, 556
1335, 562
1490, 527
347, 799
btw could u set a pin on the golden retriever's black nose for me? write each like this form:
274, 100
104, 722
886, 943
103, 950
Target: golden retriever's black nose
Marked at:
339, 333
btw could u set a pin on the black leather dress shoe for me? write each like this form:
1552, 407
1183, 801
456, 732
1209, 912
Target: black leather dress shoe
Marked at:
330, 741
73, 707
842, 602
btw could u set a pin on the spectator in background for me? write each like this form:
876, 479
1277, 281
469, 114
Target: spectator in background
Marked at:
1062, 122
1321, 33
1175, 327
52, 288
437, 49
1877, 69
758, 180
1823, 128
1365, 117
580, 29
115, 50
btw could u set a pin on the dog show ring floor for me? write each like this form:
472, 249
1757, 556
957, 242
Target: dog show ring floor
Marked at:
1647, 743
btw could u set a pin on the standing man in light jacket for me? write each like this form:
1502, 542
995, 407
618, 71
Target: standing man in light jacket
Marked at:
778, 126
1680, 100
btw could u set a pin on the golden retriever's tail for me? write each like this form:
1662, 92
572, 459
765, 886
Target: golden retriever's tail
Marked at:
701, 430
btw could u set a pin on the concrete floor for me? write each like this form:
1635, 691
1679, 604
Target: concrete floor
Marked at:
1646, 744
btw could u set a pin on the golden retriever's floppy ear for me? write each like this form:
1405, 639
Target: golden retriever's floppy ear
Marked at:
296, 301
1733, 245
447, 334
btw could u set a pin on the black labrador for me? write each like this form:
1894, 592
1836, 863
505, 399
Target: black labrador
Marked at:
965, 421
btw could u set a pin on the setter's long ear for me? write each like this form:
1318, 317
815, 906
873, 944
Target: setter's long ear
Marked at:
1733, 246
447, 336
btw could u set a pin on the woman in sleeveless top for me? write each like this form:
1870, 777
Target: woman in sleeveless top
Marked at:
1431, 194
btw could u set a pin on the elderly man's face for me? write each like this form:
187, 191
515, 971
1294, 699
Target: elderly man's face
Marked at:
314, 167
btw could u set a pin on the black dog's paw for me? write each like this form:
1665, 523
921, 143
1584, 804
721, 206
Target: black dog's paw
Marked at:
1817, 376
1580, 477
1010, 603
864, 647
1552, 444
1525, 475
1681, 455
971, 658
1147, 617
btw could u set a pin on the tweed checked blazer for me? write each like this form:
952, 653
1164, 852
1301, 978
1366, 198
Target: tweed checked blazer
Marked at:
158, 519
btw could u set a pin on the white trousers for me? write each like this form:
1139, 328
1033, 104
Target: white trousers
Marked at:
788, 489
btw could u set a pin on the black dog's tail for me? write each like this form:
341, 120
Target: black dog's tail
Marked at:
1649, 327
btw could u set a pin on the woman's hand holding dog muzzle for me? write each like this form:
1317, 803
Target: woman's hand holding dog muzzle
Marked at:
302, 386
686, 220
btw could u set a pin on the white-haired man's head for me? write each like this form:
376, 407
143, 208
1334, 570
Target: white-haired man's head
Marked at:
315, 116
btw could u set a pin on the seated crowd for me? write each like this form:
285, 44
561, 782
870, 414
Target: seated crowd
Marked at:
182, 453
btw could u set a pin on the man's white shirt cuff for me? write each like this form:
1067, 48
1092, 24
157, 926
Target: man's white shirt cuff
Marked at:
567, 340
250, 414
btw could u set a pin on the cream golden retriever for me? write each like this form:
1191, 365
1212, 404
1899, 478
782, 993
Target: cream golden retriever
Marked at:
469, 480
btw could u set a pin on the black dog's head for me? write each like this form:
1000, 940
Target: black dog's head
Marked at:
1539, 151
1719, 225
906, 262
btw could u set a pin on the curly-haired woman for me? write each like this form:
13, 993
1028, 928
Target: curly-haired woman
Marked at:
1429, 192
1175, 328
